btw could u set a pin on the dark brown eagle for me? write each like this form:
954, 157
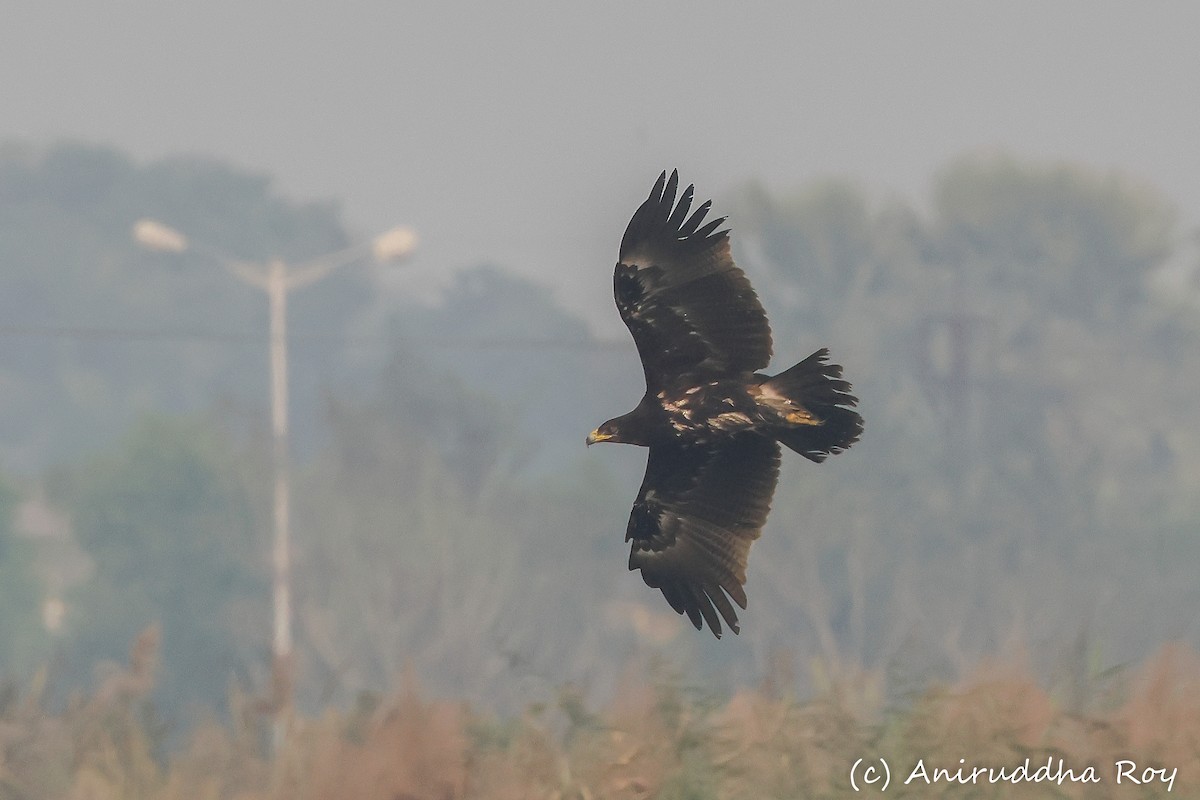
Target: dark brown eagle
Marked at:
712, 421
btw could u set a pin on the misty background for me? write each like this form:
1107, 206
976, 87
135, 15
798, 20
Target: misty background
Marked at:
988, 212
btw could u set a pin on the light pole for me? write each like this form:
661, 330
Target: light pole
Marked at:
277, 279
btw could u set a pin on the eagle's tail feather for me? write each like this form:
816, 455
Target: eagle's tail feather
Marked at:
830, 424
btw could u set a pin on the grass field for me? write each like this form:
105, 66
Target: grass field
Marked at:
661, 738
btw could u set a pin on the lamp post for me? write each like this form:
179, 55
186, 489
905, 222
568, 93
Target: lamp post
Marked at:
277, 279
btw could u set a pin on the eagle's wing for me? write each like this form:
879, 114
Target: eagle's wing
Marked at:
699, 508
689, 307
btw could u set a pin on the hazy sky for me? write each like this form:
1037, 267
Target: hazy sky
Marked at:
526, 133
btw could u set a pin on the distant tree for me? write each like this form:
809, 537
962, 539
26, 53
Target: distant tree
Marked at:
1023, 408
505, 336
813, 245
167, 519
21, 593
181, 332
424, 538
1081, 241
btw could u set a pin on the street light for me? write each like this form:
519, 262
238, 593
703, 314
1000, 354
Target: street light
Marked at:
277, 279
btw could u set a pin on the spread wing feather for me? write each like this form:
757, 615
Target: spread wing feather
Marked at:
689, 307
699, 509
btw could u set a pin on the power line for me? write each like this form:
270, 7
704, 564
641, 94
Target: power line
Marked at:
84, 333
135, 335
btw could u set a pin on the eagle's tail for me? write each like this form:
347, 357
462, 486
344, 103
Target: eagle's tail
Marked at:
825, 423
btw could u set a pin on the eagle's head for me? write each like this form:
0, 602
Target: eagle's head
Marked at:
631, 428
608, 432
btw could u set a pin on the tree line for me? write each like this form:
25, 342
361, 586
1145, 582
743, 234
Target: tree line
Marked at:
1025, 476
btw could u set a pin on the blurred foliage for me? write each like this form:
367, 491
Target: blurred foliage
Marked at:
1029, 437
180, 331
1027, 475
1081, 241
168, 522
512, 349
656, 739
21, 592
427, 479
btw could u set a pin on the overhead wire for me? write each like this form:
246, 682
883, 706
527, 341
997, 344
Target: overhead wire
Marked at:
84, 333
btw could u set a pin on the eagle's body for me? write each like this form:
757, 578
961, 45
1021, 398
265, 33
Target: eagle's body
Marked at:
711, 418
700, 409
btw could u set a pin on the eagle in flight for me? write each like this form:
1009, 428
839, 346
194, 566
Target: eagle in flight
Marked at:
712, 420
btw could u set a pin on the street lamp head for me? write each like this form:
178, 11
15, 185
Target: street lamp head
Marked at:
153, 235
394, 245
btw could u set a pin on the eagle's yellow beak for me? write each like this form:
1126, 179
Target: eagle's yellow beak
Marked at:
597, 436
